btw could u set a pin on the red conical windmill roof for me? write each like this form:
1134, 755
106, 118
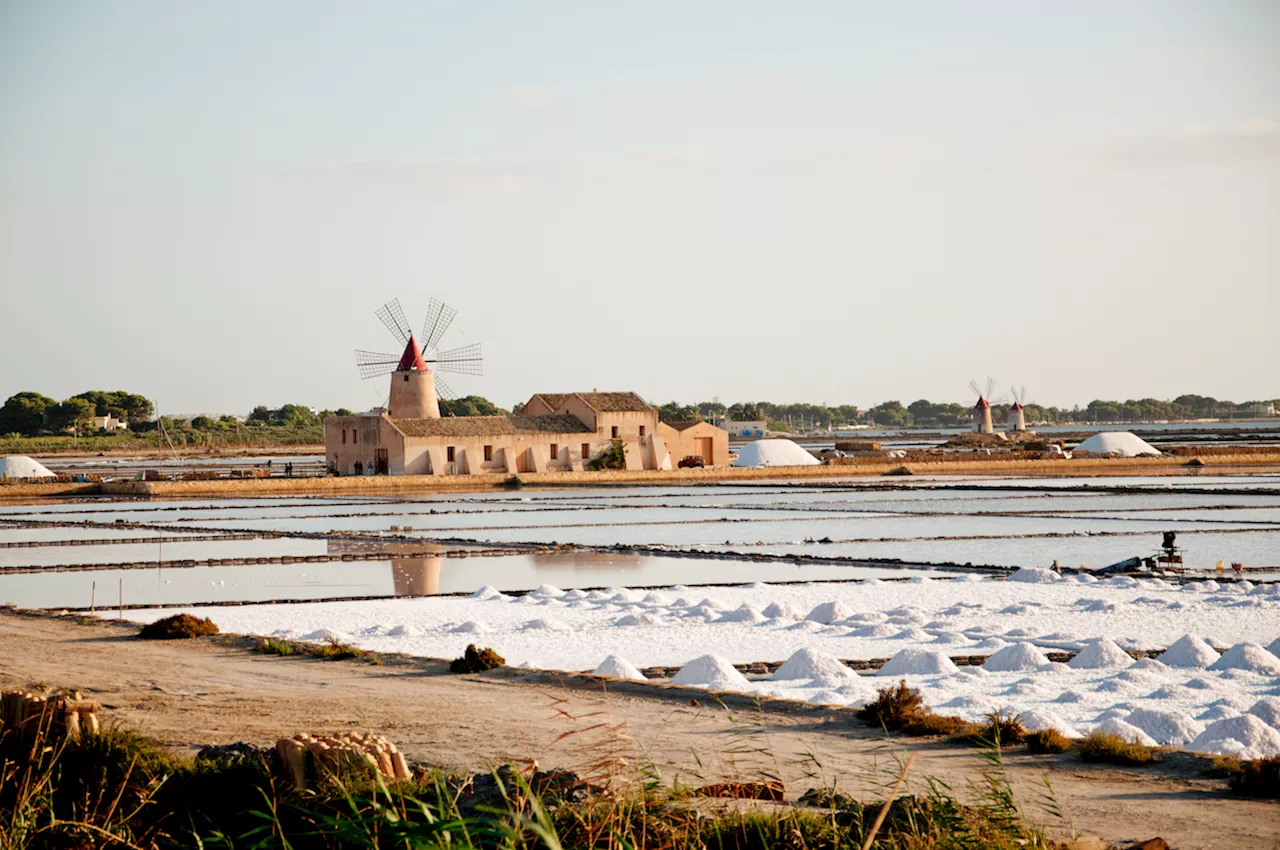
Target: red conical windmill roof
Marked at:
411, 360
982, 402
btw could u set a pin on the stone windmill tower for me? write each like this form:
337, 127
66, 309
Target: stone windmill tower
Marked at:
1017, 421
416, 389
982, 409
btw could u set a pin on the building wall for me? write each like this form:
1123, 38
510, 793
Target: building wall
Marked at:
682, 444
349, 440
749, 428
413, 396
526, 452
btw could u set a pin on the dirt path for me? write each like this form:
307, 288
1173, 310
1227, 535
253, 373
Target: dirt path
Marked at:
190, 693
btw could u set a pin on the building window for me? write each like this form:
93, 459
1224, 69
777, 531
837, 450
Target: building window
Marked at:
613, 432
555, 451
642, 431
448, 454
344, 436
355, 435
586, 451
488, 452
406, 377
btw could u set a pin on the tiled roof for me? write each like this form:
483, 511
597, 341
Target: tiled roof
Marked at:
489, 426
602, 402
680, 426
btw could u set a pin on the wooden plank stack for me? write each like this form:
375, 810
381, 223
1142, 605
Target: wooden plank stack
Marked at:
310, 759
57, 714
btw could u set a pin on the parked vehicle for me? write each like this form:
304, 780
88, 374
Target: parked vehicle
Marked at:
692, 462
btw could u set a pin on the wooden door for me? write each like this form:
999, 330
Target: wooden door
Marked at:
705, 446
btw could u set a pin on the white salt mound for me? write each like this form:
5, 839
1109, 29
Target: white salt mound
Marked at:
1189, 651
808, 664
1099, 654
545, 624
1248, 656
782, 611
743, 614
1038, 720
1267, 710
21, 466
829, 612
1168, 728
486, 592
1127, 731
1015, 657
711, 672
1120, 443
1035, 575
1245, 736
917, 661
470, 627
1274, 647
619, 668
774, 453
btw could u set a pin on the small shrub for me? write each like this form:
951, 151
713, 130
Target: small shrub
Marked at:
1047, 741
476, 660
1000, 728
334, 649
178, 626
1099, 747
1224, 767
275, 646
1259, 778
901, 709
614, 457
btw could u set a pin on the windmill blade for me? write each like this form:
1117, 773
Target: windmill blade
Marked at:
393, 317
372, 363
444, 391
461, 361
439, 317
977, 390
991, 386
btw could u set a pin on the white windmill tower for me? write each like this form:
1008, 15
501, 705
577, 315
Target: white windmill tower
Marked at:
1017, 421
982, 410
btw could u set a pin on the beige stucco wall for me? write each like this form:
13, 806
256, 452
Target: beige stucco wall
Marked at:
681, 444
364, 434
528, 453
413, 396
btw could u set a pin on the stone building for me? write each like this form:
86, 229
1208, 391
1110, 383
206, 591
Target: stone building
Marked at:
554, 432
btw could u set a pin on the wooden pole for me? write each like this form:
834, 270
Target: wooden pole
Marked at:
122, 599
93, 596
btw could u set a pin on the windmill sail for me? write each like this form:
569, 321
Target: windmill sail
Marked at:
393, 317
462, 361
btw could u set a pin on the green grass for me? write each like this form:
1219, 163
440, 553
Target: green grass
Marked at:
275, 646
335, 650
1047, 741
119, 789
1099, 747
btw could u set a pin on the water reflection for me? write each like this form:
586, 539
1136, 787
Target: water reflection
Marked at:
415, 573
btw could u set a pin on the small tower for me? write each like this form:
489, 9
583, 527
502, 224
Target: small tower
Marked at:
1017, 420
413, 387
982, 410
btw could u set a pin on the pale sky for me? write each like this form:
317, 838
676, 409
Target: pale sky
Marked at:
841, 202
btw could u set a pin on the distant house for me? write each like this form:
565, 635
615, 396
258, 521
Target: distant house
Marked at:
695, 438
747, 429
109, 423
1263, 408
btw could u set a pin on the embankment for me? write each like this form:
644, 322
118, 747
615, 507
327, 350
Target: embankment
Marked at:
377, 485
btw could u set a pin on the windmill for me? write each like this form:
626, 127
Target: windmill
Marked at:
1017, 421
415, 385
982, 410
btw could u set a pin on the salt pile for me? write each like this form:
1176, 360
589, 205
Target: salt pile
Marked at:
774, 453
1248, 656
1035, 575
745, 613
1189, 651
1126, 731
713, 673
830, 612
1038, 720
1120, 443
619, 668
1245, 736
785, 611
825, 670
1168, 728
1014, 657
21, 466
1099, 654
1267, 710
470, 627
915, 661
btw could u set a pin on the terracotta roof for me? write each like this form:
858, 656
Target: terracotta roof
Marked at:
601, 402
680, 426
489, 426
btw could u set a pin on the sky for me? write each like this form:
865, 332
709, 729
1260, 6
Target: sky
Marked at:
827, 202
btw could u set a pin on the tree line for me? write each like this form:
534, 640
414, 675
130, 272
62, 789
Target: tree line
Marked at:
927, 414
30, 413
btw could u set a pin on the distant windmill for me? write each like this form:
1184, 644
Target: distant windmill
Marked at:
1017, 421
982, 409
415, 386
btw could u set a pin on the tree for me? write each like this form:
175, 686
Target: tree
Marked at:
203, 423
23, 413
72, 414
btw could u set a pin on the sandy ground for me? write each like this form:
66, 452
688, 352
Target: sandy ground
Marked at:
190, 693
